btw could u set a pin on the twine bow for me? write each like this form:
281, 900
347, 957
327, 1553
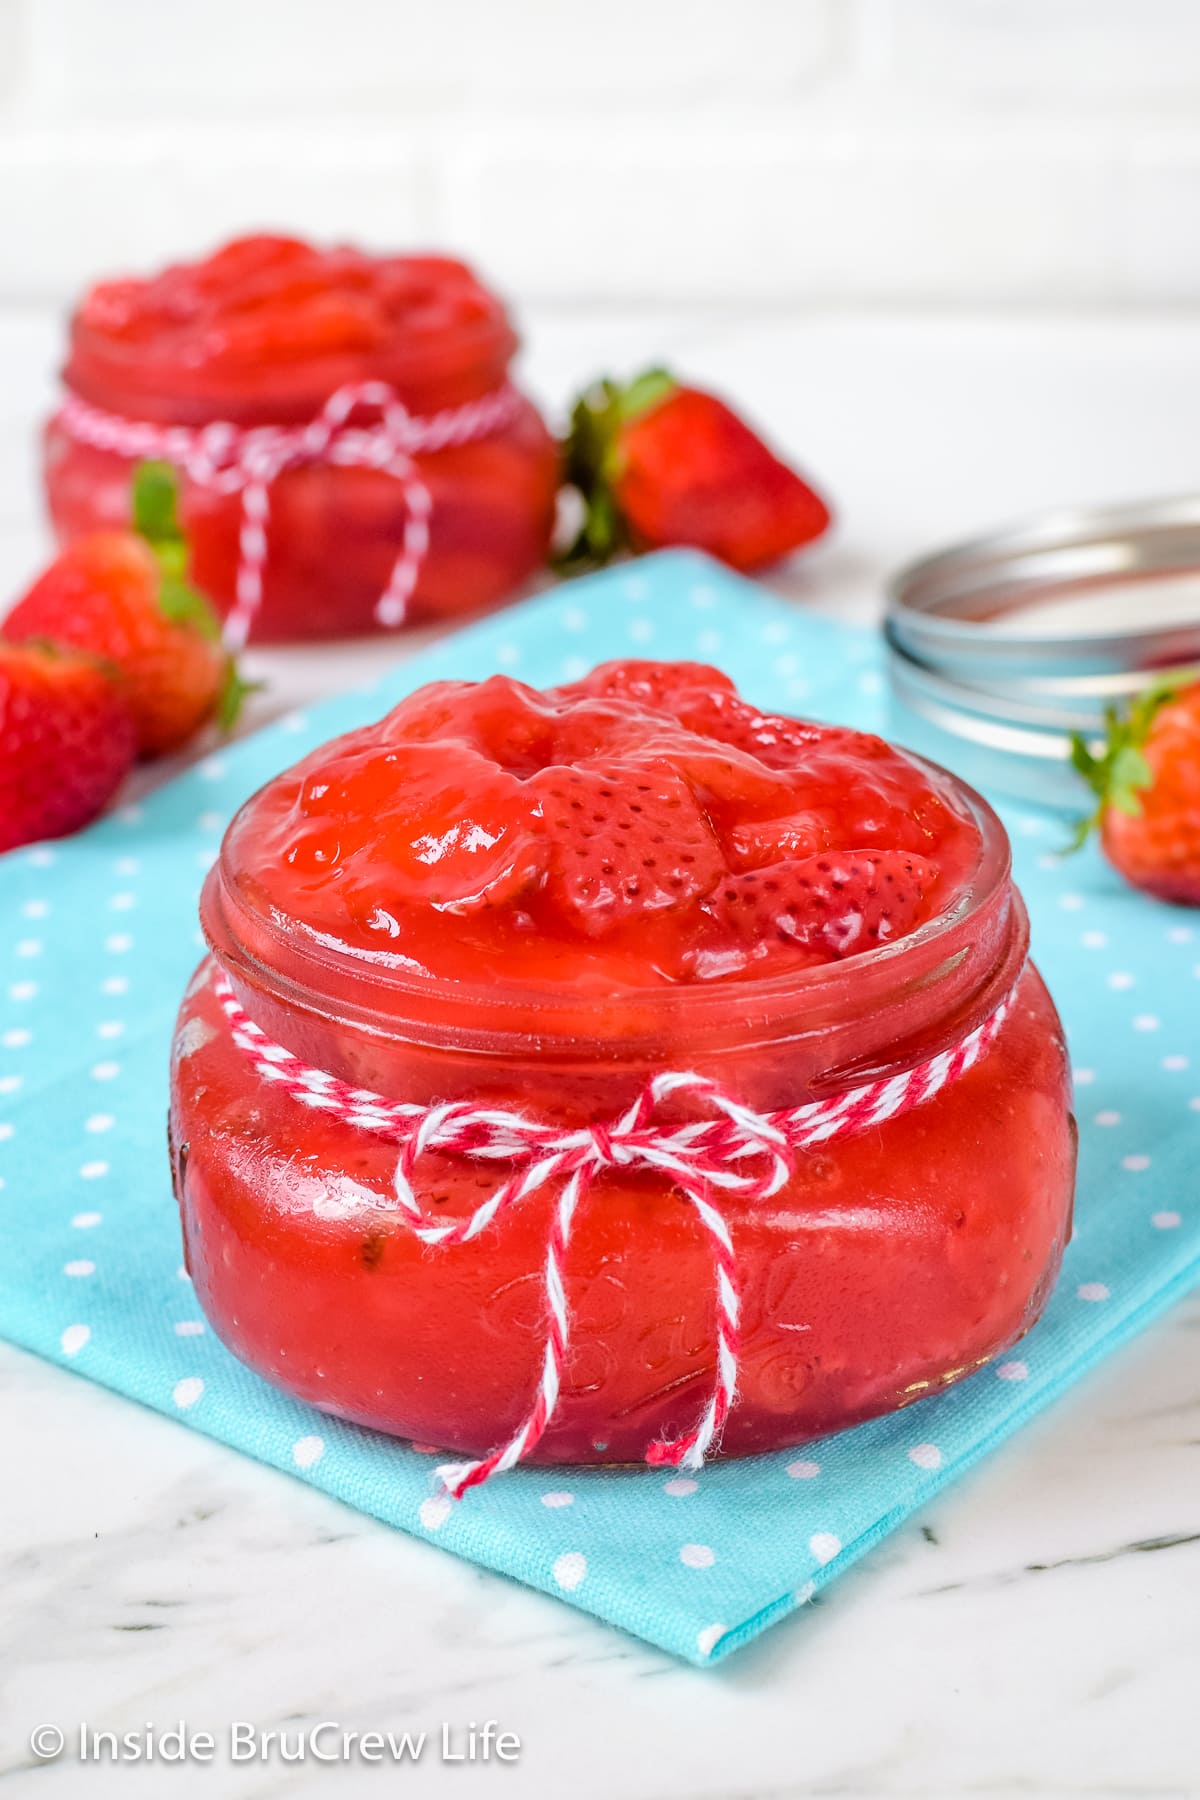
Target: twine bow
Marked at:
232, 459
733, 1150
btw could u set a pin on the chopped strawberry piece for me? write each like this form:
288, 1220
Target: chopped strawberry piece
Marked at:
687, 694
434, 824
657, 684
503, 719
754, 843
777, 742
832, 905
642, 826
625, 839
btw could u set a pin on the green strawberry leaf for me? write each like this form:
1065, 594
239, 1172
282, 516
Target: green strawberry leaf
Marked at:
234, 694
646, 391
1084, 763
591, 456
1129, 774
1119, 774
186, 605
156, 504
1081, 834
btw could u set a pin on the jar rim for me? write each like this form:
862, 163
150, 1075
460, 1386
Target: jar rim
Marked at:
954, 968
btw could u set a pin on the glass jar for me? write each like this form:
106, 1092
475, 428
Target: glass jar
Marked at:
259, 338
890, 1265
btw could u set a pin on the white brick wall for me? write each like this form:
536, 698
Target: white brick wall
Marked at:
765, 152
384, 56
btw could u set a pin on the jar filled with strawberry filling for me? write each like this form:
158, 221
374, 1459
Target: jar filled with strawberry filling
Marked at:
537, 902
327, 382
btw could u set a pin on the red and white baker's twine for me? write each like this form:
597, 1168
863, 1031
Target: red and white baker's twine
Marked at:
230, 459
736, 1150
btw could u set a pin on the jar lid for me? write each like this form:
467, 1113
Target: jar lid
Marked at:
1000, 648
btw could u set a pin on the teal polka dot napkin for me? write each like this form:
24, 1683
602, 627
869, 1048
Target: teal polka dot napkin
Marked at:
99, 936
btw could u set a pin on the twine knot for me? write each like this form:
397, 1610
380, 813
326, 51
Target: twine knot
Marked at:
727, 1148
247, 460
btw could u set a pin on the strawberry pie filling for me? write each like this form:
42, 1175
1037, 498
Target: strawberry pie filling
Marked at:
642, 827
536, 901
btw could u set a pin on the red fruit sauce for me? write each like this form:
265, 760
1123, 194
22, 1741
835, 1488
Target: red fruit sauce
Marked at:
539, 900
262, 333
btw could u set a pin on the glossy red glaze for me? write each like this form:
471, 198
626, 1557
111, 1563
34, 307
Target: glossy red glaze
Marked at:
262, 333
890, 1264
641, 827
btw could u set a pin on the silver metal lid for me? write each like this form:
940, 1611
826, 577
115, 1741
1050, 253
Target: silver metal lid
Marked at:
1001, 647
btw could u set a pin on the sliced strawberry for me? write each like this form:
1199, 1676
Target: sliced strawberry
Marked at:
587, 730
705, 702
688, 694
624, 840
777, 742
835, 904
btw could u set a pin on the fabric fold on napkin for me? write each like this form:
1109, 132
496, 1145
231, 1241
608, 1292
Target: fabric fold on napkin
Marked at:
100, 936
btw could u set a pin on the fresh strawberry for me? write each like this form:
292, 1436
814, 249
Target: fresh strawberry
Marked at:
625, 839
66, 742
1147, 782
658, 463
817, 908
121, 596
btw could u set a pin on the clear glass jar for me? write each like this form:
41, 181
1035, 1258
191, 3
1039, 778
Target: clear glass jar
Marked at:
892, 1264
262, 334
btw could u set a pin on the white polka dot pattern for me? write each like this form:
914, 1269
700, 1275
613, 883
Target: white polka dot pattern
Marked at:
697, 1556
926, 1456
100, 934
434, 1512
570, 1570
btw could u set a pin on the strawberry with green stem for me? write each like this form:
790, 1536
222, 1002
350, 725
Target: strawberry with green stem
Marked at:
658, 463
1146, 780
124, 598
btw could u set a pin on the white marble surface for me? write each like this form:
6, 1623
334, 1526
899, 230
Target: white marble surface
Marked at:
1035, 1633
